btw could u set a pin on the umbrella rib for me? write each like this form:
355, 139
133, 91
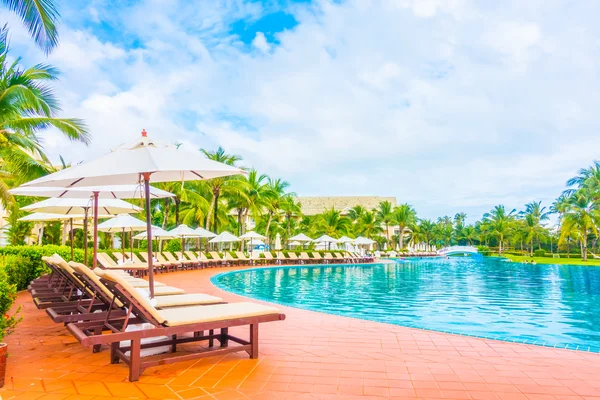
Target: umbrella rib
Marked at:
197, 174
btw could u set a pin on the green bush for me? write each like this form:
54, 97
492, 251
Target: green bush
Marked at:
539, 253
29, 265
8, 294
484, 250
173, 245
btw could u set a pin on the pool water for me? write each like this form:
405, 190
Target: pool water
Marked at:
550, 305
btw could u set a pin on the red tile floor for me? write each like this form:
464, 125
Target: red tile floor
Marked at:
308, 356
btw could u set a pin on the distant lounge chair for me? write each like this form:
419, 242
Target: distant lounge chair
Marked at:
215, 256
293, 257
177, 264
174, 326
243, 259
268, 257
211, 262
328, 258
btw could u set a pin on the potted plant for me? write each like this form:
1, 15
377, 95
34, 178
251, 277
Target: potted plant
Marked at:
8, 294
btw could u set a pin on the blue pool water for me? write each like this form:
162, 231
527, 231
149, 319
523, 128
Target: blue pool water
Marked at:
549, 305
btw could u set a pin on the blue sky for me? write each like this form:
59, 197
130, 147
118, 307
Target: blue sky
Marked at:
449, 105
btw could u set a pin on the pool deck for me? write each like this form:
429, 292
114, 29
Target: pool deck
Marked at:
308, 356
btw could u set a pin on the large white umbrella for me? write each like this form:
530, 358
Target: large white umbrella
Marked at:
183, 231
104, 192
121, 223
78, 206
300, 238
140, 161
252, 237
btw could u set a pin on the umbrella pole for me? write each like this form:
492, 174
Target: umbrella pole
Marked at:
123, 243
85, 236
71, 235
131, 244
146, 176
182, 245
94, 261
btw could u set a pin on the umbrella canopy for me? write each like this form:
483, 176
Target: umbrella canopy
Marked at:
224, 237
363, 240
157, 233
184, 231
300, 238
278, 242
295, 243
165, 162
122, 221
45, 217
104, 192
142, 160
325, 239
252, 235
80, 206
345, 239
203, 233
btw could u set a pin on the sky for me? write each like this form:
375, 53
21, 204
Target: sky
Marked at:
449, 105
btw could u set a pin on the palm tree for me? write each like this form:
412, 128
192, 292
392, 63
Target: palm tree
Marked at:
468, 234
384, 215
255, 193
27, 107
405, 217
367, 225
538, 214
219, 186
274, 197
500, 223
290, 208
581, 215
40, 18
333, 223
356, 213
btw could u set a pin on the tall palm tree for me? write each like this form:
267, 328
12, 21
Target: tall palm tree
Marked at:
500, 223
405, 217
468, 234
290, 208
276, 192
583, 216
27, 107
356, 213
40, 17
368, 225
333, 223
537, 214
384, 215
219, 186
255, 193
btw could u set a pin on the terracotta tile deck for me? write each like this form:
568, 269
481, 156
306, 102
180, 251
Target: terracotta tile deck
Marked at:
307, 356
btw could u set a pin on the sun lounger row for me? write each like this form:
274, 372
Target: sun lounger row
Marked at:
167, 262
113, 308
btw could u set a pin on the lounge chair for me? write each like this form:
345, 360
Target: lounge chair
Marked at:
170, 327
268, 257
200, 263
327, 257
211, 262
293, 257
177, 262
171, 265
231, 260
281, 258
188, 263
106, 261
304, 257
215, 256
243, 259
156, 264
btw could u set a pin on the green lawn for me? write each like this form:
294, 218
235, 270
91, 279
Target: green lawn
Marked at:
550, 260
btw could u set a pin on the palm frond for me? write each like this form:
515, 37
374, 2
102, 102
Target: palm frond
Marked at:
40, 17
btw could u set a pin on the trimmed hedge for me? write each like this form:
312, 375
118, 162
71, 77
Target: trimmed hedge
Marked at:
26, 262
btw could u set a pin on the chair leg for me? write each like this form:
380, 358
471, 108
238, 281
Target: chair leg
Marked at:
224, 339
135, 360
114, 358
253, 341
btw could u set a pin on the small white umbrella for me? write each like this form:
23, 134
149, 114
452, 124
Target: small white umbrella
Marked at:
78, 206
278, 242
158, 233
252, 237
120, 223
136, 162
345, 239
184, 231
203, 234
300, 238
224, 237
294, 244
326, 240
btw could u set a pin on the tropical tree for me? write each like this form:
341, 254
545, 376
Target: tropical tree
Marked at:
27, 107
500, 223
290, 207
385, 216
581, 215
468, 234
40, 17
367, 225
220, 186
274, 196
405, 217
254, 196
332, 223
356, 213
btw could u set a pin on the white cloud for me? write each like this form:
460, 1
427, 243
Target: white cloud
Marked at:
260, 42
449, 105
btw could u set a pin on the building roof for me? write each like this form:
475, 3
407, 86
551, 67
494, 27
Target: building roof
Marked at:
317, 205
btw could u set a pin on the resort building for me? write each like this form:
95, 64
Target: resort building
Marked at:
317, 205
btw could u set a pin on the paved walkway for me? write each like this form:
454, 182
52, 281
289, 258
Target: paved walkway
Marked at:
307, 356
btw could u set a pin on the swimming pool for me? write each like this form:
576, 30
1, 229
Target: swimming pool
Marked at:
550, 305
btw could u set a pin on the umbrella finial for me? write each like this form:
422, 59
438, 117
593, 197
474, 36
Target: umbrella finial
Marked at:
144, 133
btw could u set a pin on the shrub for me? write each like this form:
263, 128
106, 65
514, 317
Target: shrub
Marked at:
8, 294
29, 265
173, 245
484, 250
539, 253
